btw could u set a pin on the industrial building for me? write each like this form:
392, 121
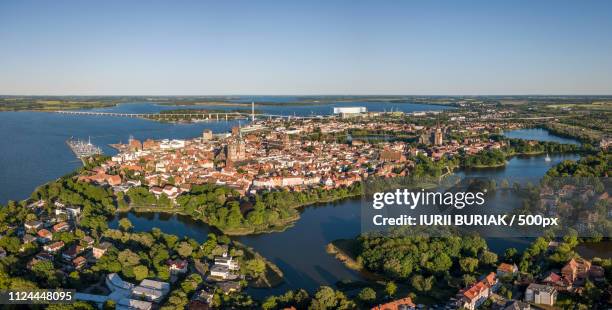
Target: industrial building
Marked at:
349, 111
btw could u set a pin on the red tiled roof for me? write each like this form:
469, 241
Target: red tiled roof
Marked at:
43, 233
503, 267
394, 305
474, 291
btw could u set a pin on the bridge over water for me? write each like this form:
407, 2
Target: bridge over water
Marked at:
213, 116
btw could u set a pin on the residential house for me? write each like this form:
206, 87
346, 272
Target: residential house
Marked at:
228, 261
27, 238
54, 247
72, 253
79, 262
177, 266
61, 226
204, 296
541, 294
171, 191
229, 286
33, 225
100, 249
44, 256
576, 271
554, 279
220, 271
477, 294
73, 212
87, 242
506, 270
474, 296
44, 236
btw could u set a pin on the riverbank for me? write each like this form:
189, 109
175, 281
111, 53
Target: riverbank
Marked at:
345, 251
279, 225
511, 155
487, 166
271, 277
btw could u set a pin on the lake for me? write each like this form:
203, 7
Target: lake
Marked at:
540, 135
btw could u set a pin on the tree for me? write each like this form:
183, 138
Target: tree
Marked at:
77, 305
468, 279
45, 270
177, 300
11, 244
367, 295
440, 263
110, 305
184, 249
125, 224
270, 303
592, 292
468, 264
255, 267
128, 258
163, 273
391, 288
505, 292
141, 272
489, 258
421, 283
510, 254
325, 298
191, 283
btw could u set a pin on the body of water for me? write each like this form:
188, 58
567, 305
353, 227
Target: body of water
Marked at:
306, 109
540, 135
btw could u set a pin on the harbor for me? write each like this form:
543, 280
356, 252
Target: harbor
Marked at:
83, 149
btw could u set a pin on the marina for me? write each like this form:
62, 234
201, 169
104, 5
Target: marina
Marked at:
82, 149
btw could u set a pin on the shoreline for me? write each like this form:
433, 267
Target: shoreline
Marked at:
340, 249
273, 276
279, 227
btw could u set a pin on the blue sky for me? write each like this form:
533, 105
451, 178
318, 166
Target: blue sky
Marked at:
305, 47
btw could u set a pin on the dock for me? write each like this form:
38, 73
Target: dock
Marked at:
82, 149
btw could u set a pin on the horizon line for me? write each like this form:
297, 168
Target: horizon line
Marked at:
303, 95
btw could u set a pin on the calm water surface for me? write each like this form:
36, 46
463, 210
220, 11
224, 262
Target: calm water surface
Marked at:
540, 135
298, 110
